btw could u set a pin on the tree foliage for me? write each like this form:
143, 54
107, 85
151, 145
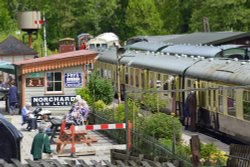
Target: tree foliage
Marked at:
68, 18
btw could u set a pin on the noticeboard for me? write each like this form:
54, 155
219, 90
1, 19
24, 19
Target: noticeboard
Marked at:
73, 80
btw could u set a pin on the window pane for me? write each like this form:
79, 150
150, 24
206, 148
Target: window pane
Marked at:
49, 76
49, 86
58, 86
58, 76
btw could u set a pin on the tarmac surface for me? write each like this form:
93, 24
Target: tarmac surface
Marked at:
101, 148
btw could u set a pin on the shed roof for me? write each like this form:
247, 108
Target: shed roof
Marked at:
207, 37
12, 46
57, 61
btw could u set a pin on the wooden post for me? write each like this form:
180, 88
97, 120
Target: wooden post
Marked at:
195, 149
73, 149
129, 135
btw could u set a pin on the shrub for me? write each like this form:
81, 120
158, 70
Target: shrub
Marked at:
133, 110
101, 88
160, 125
100, 105
85, 94
151, 102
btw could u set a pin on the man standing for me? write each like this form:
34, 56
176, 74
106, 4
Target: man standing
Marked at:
40, 144
13, 97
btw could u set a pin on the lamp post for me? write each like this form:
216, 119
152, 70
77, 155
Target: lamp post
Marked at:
119, 56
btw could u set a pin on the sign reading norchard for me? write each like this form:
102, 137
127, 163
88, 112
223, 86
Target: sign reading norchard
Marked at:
52, 100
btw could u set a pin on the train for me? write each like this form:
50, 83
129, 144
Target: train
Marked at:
87, 41
70, 44
220, 85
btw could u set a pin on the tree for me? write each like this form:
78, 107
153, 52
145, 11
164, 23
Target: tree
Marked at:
224, 15
143, 18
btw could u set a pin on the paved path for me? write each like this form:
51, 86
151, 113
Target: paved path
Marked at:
101, 147
186, 136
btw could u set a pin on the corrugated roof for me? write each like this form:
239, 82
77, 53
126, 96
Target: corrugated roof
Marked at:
207, 37
12, 46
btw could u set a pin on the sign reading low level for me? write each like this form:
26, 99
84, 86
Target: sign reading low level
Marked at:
52, 100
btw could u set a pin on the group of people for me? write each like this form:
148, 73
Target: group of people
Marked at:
79, 112
41, 144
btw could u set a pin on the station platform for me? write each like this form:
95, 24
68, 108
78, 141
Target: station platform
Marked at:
186, 136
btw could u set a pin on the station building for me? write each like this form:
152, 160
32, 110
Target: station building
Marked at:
50, 82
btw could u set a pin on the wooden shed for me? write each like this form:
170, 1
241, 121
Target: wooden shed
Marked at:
13, 50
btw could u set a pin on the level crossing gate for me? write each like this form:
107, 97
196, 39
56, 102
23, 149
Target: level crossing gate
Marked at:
77, 134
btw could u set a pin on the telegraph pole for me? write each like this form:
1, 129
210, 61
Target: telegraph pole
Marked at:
44, 37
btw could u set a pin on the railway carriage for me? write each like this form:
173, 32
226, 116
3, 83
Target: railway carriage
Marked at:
208, 51
221, 106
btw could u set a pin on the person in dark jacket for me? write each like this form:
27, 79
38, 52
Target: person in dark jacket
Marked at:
13, 97
40, 144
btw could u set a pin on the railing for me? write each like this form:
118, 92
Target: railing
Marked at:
140, 143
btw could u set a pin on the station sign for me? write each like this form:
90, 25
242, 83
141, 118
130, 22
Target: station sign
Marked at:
52, 100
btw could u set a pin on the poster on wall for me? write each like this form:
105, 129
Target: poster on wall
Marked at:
52, 100
34, 82
73, 80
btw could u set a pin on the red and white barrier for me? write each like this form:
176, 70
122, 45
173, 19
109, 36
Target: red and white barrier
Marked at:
101, 127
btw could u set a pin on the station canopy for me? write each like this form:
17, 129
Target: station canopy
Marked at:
7, 67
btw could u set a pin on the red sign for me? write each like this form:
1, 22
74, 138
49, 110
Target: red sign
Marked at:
39, 22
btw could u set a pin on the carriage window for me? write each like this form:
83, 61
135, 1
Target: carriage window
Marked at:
126, 75
231, 104
142, 79
189, 83
151, 80
220, 101
54, 82
158, 76
92, 46
246, 105
137, 77
104, 46
131, 76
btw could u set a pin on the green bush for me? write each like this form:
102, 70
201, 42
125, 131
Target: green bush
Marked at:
85, 94
101, 88
133, 110
160, 125
100, 105
152, 102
